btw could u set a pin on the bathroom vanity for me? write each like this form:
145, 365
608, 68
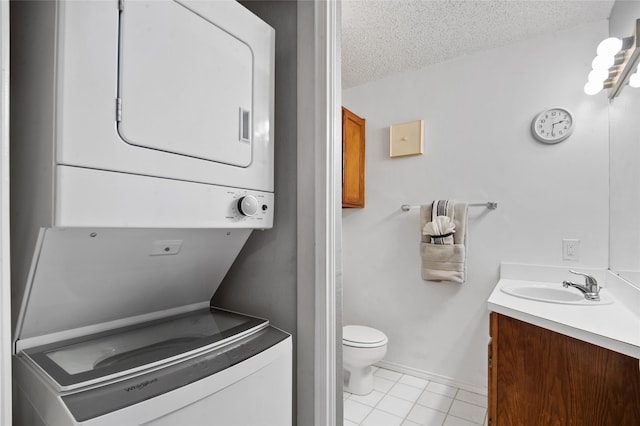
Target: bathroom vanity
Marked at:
540, 377
564, 363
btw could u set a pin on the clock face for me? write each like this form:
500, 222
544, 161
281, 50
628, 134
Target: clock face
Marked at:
553, 125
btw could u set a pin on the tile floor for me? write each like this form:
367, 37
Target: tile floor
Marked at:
402, 400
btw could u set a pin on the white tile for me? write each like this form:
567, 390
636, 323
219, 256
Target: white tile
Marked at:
409, 423
349, 423
416, 382
472, 398
382, 385
426, 416
449, 391
394, 405
355, 411
435, 401
387, 374
345, 395
467, 411
381, 418
370, 399
405, 392
456, 421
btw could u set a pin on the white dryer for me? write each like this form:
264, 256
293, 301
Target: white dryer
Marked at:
143, 113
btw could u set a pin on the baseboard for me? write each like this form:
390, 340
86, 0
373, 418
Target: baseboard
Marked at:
431, 377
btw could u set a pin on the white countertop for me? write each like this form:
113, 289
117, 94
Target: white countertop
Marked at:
614, 326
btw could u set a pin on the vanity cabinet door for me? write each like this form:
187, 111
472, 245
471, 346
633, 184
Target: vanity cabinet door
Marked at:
492, 398
540, 377
353, 131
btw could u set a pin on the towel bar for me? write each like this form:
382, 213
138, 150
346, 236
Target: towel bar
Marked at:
491, 205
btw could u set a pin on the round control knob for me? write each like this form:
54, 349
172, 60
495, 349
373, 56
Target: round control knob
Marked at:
248, 205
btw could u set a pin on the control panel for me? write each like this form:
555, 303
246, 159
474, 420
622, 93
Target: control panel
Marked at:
251, 206
92, 198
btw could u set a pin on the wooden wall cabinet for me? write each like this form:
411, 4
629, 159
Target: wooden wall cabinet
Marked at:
353, 129
538, 377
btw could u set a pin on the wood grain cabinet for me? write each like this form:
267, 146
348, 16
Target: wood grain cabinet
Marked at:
541, 378
353, 129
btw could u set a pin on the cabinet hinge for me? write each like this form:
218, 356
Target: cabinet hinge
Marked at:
490, 362
118, 109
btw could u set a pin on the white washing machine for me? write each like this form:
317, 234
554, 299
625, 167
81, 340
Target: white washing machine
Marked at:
109, 334
206, 367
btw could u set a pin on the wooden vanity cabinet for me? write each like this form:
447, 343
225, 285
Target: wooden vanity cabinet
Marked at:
353, 132
538, 377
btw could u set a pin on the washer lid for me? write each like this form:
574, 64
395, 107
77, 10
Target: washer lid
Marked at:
126, 351
362, 334
83, 277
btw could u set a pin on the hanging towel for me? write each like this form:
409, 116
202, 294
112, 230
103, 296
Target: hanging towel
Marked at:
440, 230
442, 261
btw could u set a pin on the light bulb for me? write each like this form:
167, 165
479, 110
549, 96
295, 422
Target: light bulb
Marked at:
598, 75
602, 62
609, 46
634, 80
593, 87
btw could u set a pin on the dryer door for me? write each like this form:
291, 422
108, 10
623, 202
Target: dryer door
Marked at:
184, 84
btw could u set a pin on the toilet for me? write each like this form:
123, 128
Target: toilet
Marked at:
361, 348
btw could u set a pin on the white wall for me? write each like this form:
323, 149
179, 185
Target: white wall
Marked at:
477, 112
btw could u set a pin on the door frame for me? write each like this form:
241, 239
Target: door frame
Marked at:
319, 214
5, 286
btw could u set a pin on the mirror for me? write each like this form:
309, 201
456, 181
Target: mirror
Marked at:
624, 181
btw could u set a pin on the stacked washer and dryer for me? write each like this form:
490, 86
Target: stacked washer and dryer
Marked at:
142, 159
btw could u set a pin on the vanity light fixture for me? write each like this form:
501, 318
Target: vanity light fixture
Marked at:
615, 61
609, 47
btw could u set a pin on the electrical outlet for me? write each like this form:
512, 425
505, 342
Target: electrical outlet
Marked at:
570, 249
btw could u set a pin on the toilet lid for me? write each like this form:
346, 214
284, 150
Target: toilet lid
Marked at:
356, 335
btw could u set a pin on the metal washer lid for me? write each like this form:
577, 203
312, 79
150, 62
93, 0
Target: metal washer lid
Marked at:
92, 279
362, 334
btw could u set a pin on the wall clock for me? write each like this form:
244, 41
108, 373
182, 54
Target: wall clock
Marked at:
552, 125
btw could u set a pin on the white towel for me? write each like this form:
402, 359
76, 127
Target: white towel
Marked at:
440, 230
444, 262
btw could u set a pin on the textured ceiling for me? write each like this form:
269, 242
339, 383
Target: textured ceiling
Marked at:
383, 37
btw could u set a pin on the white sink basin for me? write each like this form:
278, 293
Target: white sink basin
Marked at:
552, 293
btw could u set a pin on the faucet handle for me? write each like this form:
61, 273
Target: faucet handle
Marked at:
588, 279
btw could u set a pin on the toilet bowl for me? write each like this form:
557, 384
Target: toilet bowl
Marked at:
361, 348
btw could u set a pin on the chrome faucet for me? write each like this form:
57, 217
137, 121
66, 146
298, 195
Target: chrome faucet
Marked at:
590, 288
